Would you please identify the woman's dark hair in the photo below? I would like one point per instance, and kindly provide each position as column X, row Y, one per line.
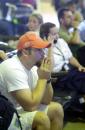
column 45, row 29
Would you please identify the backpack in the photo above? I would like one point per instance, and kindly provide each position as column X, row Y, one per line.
column 73, row 105
column 7, row 111
column 76, row 110
column 69, row 90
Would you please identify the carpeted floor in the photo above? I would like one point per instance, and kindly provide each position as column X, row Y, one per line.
column 75, row 126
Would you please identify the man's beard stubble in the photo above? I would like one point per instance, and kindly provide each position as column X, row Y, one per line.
column 38, row 64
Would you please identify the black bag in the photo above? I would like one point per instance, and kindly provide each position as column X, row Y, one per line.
column 76, row 110
column 68, row 91
column 7, row 111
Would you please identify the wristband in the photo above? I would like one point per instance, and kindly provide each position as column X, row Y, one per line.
column 48, row 81
column 75, row 29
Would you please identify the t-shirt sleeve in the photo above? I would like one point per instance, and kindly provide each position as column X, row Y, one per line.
column 16, row 80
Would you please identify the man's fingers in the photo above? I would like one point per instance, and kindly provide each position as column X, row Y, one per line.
column 46, row 64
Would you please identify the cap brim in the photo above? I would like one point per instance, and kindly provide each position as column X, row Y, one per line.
column 33, row 41
column 41, row 44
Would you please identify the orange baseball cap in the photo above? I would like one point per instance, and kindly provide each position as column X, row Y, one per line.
column 31, row 39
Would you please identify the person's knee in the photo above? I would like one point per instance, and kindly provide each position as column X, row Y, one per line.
column 41, row 119
column 55, row 110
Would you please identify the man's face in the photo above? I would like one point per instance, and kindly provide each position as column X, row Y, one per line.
column 67, row 19
column 37, row 55
column 33, row 57
column 33, row 23
column 54, row 33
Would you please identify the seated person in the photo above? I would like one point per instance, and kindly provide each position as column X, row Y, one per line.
column 32, row 24
column 61, row 52
column 29, row 87
column 62, row 57
column 78, row 17
column 35, row 20
column 11, row 28
column 71, row 37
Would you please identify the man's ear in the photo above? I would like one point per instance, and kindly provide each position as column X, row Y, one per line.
column 25, row 52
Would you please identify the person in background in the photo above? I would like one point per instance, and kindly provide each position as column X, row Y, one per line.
column 63, row 59
column 67, row 22
column 34, row 22
column 62, row 54
column 30, row 86
column 78, row 17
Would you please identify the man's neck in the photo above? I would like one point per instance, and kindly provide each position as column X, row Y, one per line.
column 26, row 65
column 64, row 28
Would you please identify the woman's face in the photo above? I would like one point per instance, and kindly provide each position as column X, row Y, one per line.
column 33, row 24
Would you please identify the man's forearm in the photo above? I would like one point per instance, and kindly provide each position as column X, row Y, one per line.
column 48, row 95
column 74, row 62
column 39, row 91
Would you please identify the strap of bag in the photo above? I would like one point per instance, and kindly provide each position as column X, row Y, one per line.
column 12, row 107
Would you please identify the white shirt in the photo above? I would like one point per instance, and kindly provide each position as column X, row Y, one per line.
column 14, row 76
column 81, row 29
column 81, row 26
column 61, row 55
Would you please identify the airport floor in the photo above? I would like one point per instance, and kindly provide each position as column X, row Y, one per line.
column 47, row 10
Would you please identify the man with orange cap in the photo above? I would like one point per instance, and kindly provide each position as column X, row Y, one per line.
column 30, row 86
